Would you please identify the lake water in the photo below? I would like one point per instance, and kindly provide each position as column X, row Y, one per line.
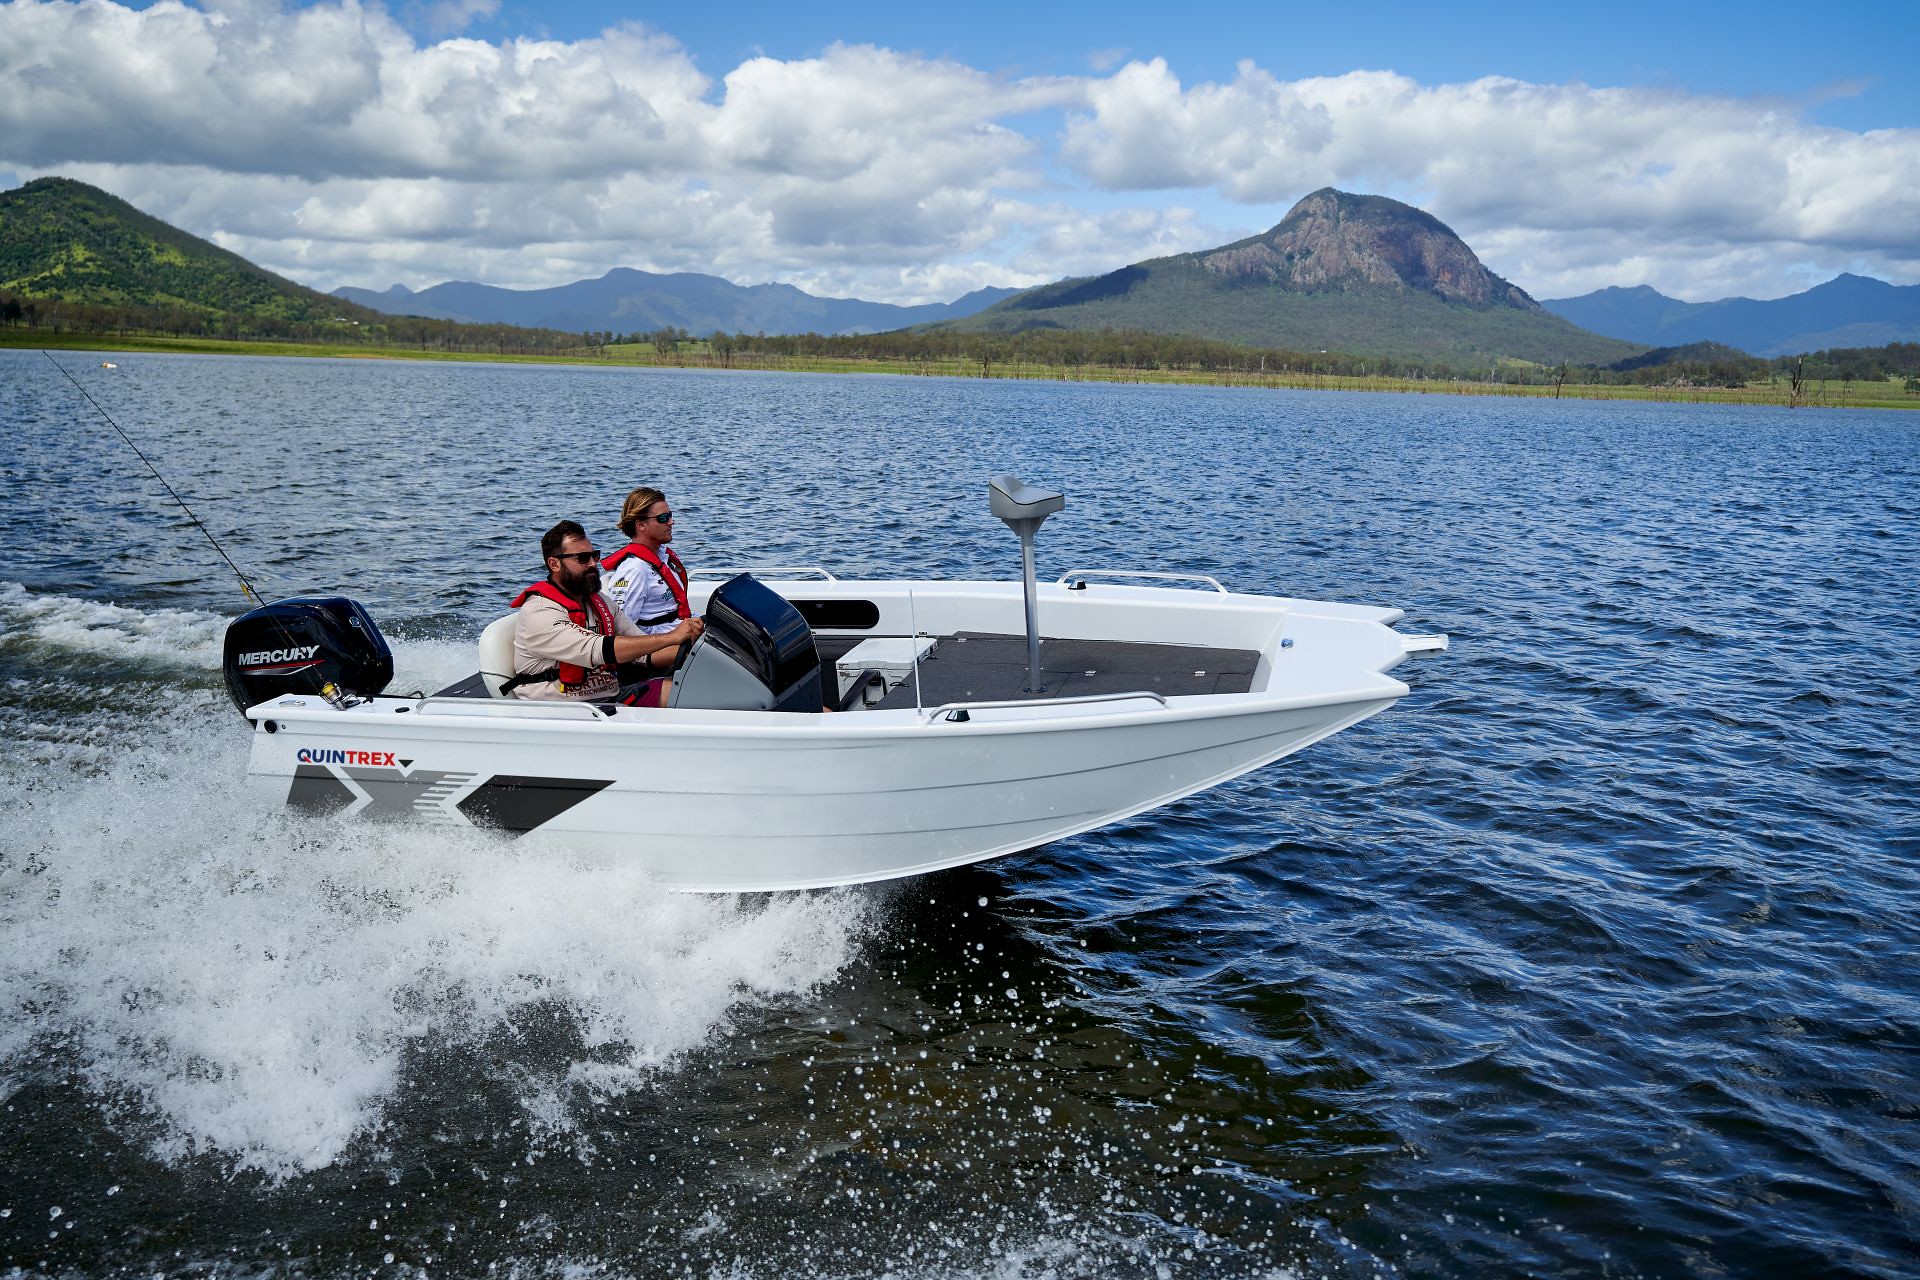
column 1595, row 956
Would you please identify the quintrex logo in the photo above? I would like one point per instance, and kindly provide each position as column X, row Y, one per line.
column 314, row 755
column 375, row 787
column 281, row 659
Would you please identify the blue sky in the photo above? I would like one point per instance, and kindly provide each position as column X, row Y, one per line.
column 1858, row 62
column 911, row 152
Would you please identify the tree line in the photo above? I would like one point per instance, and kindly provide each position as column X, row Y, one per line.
column 350, row 326
column 1137, row 349
column 1065, row 349
column 1897, row 360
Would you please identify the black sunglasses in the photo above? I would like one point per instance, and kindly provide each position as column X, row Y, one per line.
column 578, row 557
column 665, row 517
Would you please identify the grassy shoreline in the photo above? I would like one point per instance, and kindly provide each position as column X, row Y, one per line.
column 1886, row 395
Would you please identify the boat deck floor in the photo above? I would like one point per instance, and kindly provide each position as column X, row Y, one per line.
column 978, row 666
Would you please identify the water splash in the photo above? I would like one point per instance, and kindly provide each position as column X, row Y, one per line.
column 252, row 984
column 149, row 637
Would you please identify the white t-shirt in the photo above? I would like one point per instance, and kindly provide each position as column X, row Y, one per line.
column 643, row 593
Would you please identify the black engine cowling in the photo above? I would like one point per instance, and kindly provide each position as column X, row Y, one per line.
column 302, row 644
column 757, row 655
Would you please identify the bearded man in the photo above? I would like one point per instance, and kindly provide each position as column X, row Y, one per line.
column 569, row 639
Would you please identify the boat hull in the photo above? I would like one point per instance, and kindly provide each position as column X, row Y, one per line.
column 786, row 808
column 731, row 801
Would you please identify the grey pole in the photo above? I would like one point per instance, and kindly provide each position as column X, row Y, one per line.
column 1025, row 507
column 1033, row 607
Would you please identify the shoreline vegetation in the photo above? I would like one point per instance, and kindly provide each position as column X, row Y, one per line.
column 85, row 270
column 743, row 353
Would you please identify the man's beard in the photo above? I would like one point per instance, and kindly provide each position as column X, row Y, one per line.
column 580, row 583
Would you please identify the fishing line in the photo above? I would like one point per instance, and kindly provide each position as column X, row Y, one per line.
column 180, row 502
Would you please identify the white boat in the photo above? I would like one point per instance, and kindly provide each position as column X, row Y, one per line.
column 945, row 755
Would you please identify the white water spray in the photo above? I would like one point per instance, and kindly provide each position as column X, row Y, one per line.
column 251, row 983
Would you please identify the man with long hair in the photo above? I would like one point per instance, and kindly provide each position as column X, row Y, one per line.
column 645, row 577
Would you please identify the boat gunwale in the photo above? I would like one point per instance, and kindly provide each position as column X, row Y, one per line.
column 775, row 725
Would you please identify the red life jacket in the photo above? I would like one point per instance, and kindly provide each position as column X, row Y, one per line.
column 676, row 585
column 571, row 676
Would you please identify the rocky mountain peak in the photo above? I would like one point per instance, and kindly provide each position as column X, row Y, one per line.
column 1335, row 240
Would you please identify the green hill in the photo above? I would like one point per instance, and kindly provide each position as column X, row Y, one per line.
column 66, row 241
column 1353, row 273
column 1690, row 353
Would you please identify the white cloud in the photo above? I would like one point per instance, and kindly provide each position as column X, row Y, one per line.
column 1561, row 264
column 1069, row 241
column 337, row 91
column 328, row 143
column 1661, row 176
column 1255, row 139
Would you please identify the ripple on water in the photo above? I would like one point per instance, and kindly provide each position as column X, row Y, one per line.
column 1595, row 956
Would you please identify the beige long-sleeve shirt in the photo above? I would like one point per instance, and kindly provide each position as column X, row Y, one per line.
column 543, row 637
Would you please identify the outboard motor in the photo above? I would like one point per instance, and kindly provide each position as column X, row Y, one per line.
column 302, row 645
column 757, row 654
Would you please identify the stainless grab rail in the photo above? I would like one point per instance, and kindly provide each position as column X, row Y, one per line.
column 948, row 709
column 763, row 568
column 510, row 708
column 1138, row 573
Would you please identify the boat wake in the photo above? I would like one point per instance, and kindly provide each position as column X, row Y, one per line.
column 227, row 980
column 147, row 637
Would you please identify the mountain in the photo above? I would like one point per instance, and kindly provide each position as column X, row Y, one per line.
column 1616, row 312
column 68, row 241
column 1354, row 273
column 629, row 301
column 1846, row 311
column 65, row 240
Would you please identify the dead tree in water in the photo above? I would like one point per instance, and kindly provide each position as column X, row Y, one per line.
column 1795, row 380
